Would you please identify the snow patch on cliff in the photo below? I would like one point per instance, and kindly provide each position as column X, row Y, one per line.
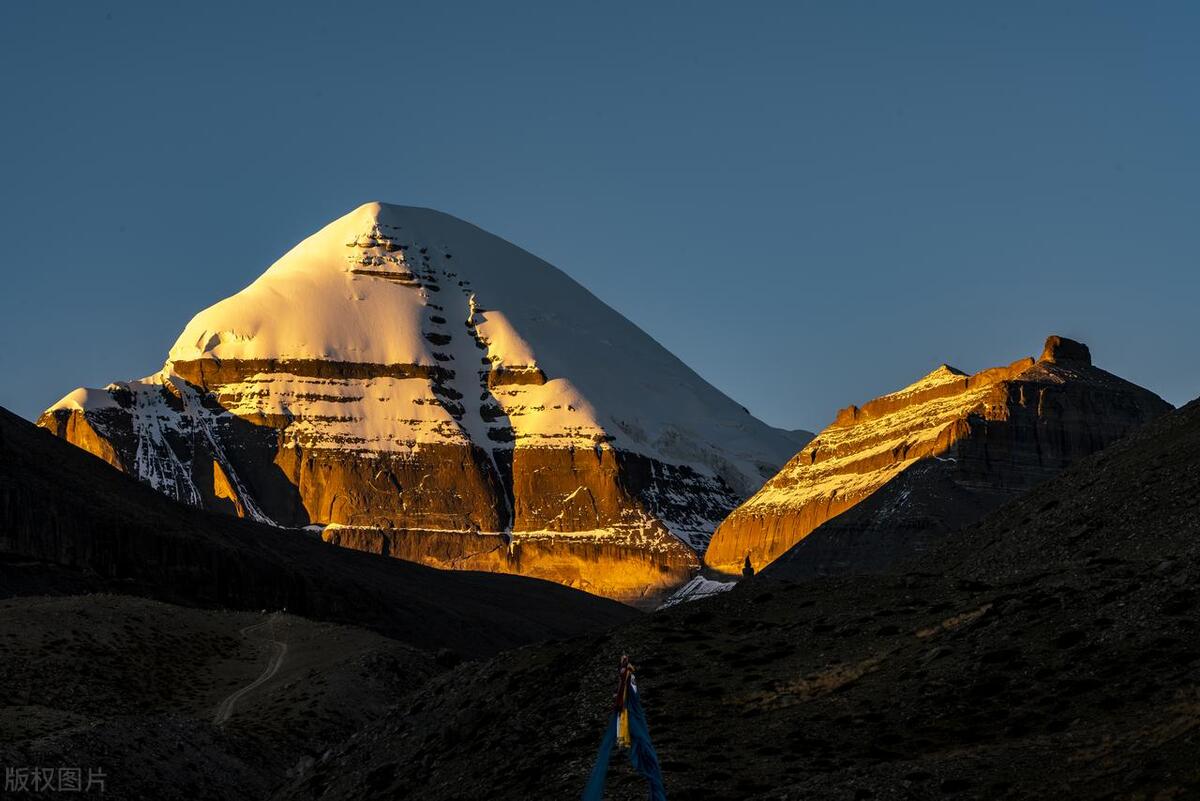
column 696, row 589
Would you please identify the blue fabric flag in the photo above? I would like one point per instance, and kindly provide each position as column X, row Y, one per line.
column 641, row 753
column 595, row 786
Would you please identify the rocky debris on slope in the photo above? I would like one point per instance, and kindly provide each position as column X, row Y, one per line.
column 404, row 371
column 892, row 477
column 70, row 522
column 1049, row 652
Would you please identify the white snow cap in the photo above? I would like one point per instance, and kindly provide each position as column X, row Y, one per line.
column 365, row 288
column 84, row 398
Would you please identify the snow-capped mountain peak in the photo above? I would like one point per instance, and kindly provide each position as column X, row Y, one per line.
column 399, row 345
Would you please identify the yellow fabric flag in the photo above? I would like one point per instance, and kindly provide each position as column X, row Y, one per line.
column 623, row 729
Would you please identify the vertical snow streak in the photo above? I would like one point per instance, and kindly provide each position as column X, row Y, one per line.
column 155, row 461
column 201, row 419
column 475, row 410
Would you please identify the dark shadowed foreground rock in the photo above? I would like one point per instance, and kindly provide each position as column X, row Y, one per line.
column 128, row 688
column 891, row 478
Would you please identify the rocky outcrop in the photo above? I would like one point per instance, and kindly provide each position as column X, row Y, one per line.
column 1059, row 350
column 887, row 479
column 414, row 386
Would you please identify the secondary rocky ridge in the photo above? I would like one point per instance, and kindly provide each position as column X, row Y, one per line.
column 946, row 449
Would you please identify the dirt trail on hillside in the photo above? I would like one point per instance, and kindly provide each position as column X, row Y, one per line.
column 278, row 652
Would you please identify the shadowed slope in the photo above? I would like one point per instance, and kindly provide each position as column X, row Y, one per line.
column 1136, row 501
column 1056, row 657
column 130, row 686
column 63, row 508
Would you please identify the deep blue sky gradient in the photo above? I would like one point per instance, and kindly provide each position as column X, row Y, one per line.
column 811, row 204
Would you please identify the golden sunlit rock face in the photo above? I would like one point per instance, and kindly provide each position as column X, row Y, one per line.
column 588, row 518
column 78, row 430
column 999, row 431
column 637, row 573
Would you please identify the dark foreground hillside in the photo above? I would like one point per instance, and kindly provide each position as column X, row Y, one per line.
column 188, row 699
column 1052, row 651
column 70, row 523
column 152, row 695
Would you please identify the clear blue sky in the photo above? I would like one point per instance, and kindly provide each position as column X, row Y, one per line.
column 810, row 204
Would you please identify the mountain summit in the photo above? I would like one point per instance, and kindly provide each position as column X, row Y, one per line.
column 412, row 385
